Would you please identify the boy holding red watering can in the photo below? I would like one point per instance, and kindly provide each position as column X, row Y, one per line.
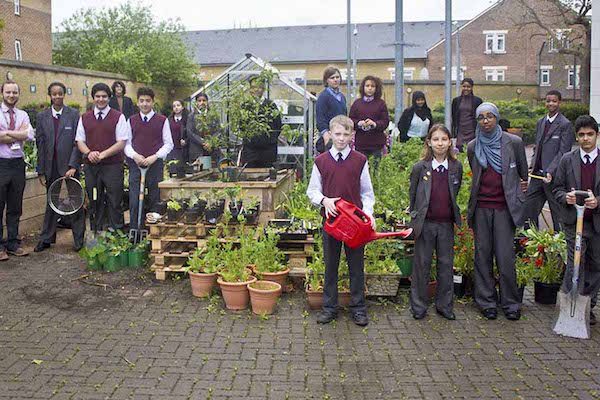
column 342, row 173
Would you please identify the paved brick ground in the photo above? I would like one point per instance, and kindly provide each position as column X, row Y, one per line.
column 141, row 339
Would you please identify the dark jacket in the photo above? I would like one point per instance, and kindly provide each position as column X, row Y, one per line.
column 327, row 107
column 195, row 139
column 406, row 119
column 67, row 153
column 514, row 170
column 455, row 107
column 420, row 191
column 558, row 142
column 262, row 149
column 128, row 107
column 568, row 175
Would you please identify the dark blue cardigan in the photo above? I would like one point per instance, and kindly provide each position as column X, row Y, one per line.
column 327, row 108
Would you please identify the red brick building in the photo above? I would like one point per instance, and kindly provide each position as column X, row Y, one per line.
column 27, row 33
column 503, row 44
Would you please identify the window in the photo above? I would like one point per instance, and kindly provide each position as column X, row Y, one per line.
column 572, row 77
column 32, row 88
column 17, row 7
column 18, row 50
column 69, row 90
column 295, row 75
column 495, row 74
column 84, row 92
column 560, row 40
column 545, row 77
column 495, row 42
column 409, row 73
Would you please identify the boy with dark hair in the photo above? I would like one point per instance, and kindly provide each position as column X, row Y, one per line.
column 101, row 136
column 580, row 170
column 342, row 173
column 58, row 156
column 15, row 128
column 554, row 137
column 147, row 147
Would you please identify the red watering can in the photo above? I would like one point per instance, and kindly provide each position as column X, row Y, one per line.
column 353, row 227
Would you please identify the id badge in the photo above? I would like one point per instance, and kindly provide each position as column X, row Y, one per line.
column 15, row 146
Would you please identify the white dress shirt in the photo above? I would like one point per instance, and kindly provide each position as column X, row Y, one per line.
column 593, row 154
column 435, row 164
column 56, row 114
column 122, row 131
column 551, row 118
column 315, row 186
column 165, row 149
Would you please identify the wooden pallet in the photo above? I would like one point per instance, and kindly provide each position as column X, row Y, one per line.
column 161, row 271
column 161, row 245
column 178, row 229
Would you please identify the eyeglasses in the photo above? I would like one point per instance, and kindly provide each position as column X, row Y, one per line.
column 486, row 117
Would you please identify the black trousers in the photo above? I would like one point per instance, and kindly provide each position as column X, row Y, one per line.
column 589, row 265
column 108, row 181
column 538, row 193
column 12, row 185
column 154, row 175
column 356, row 265
column 494, row 239
column 438, row 236
column 51, row 218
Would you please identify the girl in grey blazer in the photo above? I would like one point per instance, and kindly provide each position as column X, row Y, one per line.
column 434, row 185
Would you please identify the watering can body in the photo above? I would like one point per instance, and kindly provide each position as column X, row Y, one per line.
column 353, row 226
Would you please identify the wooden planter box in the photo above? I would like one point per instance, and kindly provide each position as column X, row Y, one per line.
column 269, row 193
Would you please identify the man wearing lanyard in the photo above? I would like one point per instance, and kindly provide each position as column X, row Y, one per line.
column 101, row 136
column 15, row 128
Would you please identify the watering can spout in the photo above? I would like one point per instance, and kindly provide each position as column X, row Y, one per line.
column 353, row 227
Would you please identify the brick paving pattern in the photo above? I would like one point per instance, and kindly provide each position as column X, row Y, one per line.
column 64, row 336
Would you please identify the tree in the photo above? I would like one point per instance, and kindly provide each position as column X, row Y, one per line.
column 572, row 14
column 126, row 39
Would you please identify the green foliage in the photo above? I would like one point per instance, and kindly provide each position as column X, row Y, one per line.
column 30, row 151
column 207, row 260
column 95, row 254
column 173, row 205
column 292, row 136
column 208, row 125
column 265, row 254
column 234, row 265
column 32, row 110
column 380, row 257
column 298, row 206
column 546, row 253
column 126, row 39
column 573, row 110
column 117, row 242
column 464, row 250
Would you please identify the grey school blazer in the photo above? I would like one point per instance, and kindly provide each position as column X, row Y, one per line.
column 514, row 169
column 558, row 142
column 568, row 175
column 67, row 154
column 420, row 192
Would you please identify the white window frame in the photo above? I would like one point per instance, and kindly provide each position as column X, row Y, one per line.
column 294, row 74
column 570, row 72
column 545, row 74
column 562, row 37
column 409, row 73
column 495, row 42
column 495, row 73
column 18, row 50
column 17, row 7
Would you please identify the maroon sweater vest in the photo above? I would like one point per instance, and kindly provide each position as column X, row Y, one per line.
column 440, row 206
column 100, row 135
column 176, row 132
column 146, row 137
column 375, row 138
column 491, row 192
column 342, row 179
column 588, row 177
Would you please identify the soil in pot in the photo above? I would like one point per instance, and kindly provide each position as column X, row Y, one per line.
column 314, row 299
column 235, row 294
column 202, row 284
column 263, row 296
column 279, row 277
column 545, row 293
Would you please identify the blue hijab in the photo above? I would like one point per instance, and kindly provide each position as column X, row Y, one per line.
column 487, row 144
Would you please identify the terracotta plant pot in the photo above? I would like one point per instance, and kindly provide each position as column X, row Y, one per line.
column 279, row 277
column 263, row 296
column 343, row 298
column 314, row 299
column 235, row 294
column 202, row 284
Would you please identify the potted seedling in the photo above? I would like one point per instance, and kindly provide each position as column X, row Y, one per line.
column 95, row 256
column 315, row 273
column 251, row 210
column 174, row 210
column 234, row 194
column 382, row 273
column 138, row 254
column 215, row 206
column 203, row 266
column 234, row 278
column 268, row 258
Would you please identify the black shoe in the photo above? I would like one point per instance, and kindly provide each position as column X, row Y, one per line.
column 447, row 314
column 490, row 313
column 41, row 246
column 513, row 315
column 360, row 319
column 418, row 316
column 325, row 317
column 592, row 318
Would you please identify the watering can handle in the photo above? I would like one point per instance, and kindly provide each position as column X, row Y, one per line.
column 364, row 216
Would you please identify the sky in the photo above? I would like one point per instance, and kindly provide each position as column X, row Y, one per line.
column 227, row 14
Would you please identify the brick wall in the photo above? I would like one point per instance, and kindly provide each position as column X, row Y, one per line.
column 33, row 27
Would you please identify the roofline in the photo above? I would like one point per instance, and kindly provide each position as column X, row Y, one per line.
column 222, row 64
column 311, row 26
column 460, row 28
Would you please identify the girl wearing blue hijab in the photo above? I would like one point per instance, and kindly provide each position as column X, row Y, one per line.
column 498, row 163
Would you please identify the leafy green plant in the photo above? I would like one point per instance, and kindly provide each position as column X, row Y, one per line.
column 207, row 260
column 173, row 205
column 464, row 250
column 315, row 273
column 97, row 253
column 291, row 135
column 380, row 257
column 117, row 242
column 266, row 255
column 234, row 267
column 547, row 253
